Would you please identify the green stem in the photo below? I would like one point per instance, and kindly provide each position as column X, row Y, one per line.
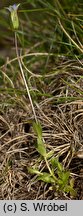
column 21, row 69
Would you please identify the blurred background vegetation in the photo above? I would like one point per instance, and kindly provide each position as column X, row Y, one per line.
column 39, row 23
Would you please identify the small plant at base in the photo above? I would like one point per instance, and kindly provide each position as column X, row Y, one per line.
column 58, row 177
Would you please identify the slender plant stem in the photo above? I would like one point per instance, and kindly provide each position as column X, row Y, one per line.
column 21, row 69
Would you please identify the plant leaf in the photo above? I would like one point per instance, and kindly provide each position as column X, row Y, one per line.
column 64, row 177
column 37, row 129
column 49, row 154
column 69, row 189
column 33, row 171
column 46, row 177
column 40, row 147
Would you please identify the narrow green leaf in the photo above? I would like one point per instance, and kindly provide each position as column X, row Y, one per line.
column 40, row 147
column 60, row 167
column 72, row 182
column 56, row 164
column 65, row 177
column 69, row 189
column 49, row 154
column 33, row 171
column 46, row 177
column 37, row 129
